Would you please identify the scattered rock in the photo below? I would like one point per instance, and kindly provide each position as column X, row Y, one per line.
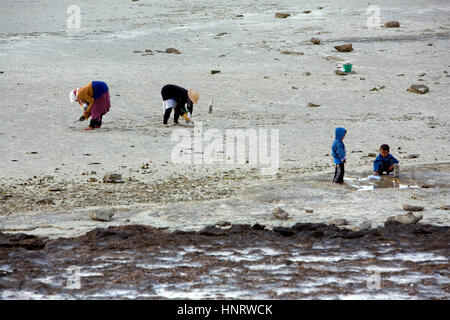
column 412, row 156
column 148, row 50
column 446, row 207
column 340, row 73
column 287, row 232
column 45, row 201
column 223, row 223
column 312, row 105
column 338, row 222
column 215, row 71
column 240, row 16
column 408, row 207
column 92, row 179
column 309, row 210
column 280, row 213
column 408, row 218
column 365, row 226
column 315, row 40
column 102, row 214
column 55, row 189
column 374, row 89
column 344, row 48
column 418, row 88
column 306, row 74
column 371, row 154
column 113, row 178
column 282, row 15
column 294, row 88
column 137, row 51
column 172, row 50
column 297, row 53
column 307, row 11
column 392, row 24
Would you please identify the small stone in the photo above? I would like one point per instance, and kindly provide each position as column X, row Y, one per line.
column 315, row 40
column 223, row 223
column 362, row 78
column 344, row 48
column 340, row 72
column 296, row 53
column 240, row 16
column 371, row 154
column 412, row 156
column 113, row 178
column 408, row 218
column 306, row 74
column 148, row 50
column 102, row 214
column 338, row 222
column 55, row 189
column 280, row 213
column 312, row 105
column 392, row 24
column 408, row 207
column 92, row 179
column 418, row 88
column 45, row 201
column 446, row 207
column 172, row 50
column 309, row 210
column 307, row 11
column 294, row 88
column 215, row 71
column 365, row 226
column 281, row 15
column 374, row 89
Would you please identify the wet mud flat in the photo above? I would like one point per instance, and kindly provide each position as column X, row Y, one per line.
column 304, row 261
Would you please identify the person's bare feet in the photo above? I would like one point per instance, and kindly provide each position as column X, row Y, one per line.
column 89, row 128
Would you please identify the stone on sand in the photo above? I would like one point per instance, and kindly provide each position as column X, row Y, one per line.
column 280, row 213
column 408, row 207
column 365, row 226
column 45, row 201
column 392, row 24
column 340, row 72
column 315, row 40
column 281, row 15
column 418, row 88
column 113, row 178
column 101, row 214
column 344, row 48
column 338, row 222
column 172, row 50
column 408, row 218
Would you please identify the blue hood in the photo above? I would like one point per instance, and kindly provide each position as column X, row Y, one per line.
column 339, row 133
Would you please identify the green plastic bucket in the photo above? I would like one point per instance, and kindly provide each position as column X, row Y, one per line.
column 347, row 67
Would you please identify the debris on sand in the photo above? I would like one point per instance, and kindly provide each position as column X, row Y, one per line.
column 172, row 50
column 340, row 72
column 312, row 105
column 309, row 210
column 112, row 178
column 418, row 88
column 281, row 15
column 222, row 223
column 366, row 225
column 344, row 48
column 104, row 215
column 45, row 201
column 307, row 74
column 296, row 53
column 408, row 207
column 137, row 51
column 445, row 207
column 408, row 218
column 315, row 40
column 307, row 11
column 392, row 24
column 215, row 71
column 338, row 222
column 280, row 213
column 412, row 156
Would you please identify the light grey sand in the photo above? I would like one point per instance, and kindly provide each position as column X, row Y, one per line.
column 258, row 87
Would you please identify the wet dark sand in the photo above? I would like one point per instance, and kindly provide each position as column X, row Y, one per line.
column 306, row 261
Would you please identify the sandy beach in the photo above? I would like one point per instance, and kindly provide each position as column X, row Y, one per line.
column 52, row 170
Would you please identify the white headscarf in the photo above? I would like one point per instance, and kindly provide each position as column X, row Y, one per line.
column 73, row 95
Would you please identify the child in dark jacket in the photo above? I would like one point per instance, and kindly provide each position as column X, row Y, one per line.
column 339, row 154
column 385, row 162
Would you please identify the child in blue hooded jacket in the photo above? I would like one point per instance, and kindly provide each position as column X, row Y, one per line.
column 339, row 154
column 385, row 162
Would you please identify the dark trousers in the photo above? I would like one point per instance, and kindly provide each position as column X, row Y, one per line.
column 384, row 168
column 175, row 116
column 339, row 173
column 95, row 123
